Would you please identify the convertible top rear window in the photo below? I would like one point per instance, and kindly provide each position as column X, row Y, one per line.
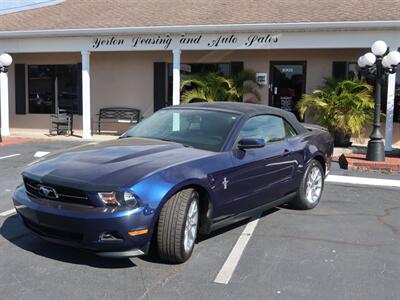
column 197, row 128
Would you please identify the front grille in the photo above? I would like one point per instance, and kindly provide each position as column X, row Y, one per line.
column 63, row 194
column 53, row 233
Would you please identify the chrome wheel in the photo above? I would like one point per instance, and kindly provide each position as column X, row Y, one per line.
column 314, row 185
column 192, row 220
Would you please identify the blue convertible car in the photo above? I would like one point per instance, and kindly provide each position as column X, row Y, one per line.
column 185, row 170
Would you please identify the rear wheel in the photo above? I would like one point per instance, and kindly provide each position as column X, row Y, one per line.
column 177, row 226
column 311, row 187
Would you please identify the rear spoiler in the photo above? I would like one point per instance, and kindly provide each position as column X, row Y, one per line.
column 311, row 127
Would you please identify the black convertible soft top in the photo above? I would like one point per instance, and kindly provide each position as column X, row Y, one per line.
column 249, row 110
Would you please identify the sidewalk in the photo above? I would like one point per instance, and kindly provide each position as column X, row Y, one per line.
column 27, row 135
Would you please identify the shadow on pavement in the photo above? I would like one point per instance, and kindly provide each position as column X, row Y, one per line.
column 233, row 226
column 15, row 232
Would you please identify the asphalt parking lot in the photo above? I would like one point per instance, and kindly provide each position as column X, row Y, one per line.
column 346, row 248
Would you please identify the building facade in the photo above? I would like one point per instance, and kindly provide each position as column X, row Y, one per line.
column 83, row 56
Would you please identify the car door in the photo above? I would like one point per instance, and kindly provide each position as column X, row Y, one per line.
column 261, row 175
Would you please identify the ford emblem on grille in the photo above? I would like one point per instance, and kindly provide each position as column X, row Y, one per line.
column 48, row 192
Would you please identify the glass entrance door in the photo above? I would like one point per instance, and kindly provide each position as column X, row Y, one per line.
column 287, row 84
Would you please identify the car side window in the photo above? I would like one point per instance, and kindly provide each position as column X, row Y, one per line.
column 290, row 132
column 268, row 127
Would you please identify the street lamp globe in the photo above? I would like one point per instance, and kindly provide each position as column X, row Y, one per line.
column 385, row 62
column 393, row 58
column 369, row 59
column 379, row 48
column 5, row 60
column 360, row 62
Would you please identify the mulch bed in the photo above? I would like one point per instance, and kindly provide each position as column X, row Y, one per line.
column 358, row 162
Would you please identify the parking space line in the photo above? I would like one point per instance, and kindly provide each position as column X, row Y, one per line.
column 226, row 272
column 363, row 180
column 8, row 213
column 40, row 153
column 8, row 156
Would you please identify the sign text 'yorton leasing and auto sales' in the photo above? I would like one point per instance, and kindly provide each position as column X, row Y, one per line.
column 186, row 41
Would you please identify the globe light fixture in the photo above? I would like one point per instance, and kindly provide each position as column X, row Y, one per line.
column 378, row 65
column 385, row 62
column 5, row 60
column 369, row 59
column 360, row 62
column 379, row 48
column 393, row 58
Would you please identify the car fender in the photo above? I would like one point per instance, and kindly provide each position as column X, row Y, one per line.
column 155, row 191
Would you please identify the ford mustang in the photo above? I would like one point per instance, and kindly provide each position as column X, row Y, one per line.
column 184, row 171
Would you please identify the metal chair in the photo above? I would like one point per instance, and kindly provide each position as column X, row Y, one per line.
column 61, row 122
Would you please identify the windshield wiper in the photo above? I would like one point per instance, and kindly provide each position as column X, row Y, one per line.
column 174, row 141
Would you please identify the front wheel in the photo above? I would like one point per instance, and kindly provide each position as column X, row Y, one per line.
column 310, row 190
column 177, row 226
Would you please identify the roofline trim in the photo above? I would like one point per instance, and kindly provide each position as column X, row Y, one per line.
column 311, row 26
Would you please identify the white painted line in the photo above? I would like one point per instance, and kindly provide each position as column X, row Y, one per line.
column 8, row 156
column 232, row 261
column 363, row 180
column 40, row 153
column 8, row 213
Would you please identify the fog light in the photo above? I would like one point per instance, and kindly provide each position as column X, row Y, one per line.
column 110, row 236
column 109, row 198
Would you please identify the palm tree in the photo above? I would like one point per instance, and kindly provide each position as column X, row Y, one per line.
column 343, row 107
column 211, row 86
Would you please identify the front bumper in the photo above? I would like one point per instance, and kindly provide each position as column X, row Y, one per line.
column 85, row 227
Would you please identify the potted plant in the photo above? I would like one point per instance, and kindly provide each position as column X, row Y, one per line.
column 211, row 86
column 343, row 107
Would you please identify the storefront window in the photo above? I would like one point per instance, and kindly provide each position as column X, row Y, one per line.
column 41, row 86
column 345, row 70
column 54, row 86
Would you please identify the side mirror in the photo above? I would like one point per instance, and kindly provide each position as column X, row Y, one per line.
column 251, row 143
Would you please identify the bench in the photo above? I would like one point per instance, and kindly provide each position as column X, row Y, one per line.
column 118, row 115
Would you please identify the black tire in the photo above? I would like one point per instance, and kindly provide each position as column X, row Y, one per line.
column 301, row 201
column 171, row 227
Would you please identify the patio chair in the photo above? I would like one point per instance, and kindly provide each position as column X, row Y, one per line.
column 61, row 122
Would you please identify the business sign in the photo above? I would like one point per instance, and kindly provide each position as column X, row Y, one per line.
column 186, row 41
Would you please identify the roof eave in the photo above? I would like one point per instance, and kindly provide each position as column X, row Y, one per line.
column 305, row 26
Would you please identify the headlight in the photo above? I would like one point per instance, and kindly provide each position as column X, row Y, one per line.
column 109, row 198
column 130, row 199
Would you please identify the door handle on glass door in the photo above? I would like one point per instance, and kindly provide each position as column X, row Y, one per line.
column 275, row 90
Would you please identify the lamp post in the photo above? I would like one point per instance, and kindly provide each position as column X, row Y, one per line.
column 378, row 65
column 5, row 62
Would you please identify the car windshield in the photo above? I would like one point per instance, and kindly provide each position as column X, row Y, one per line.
column 197, row 128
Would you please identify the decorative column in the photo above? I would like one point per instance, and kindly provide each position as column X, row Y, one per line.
column 5, row 124
column 86, row 114
column 176, row 75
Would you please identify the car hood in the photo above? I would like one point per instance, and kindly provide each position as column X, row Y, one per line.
column 111, row 164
